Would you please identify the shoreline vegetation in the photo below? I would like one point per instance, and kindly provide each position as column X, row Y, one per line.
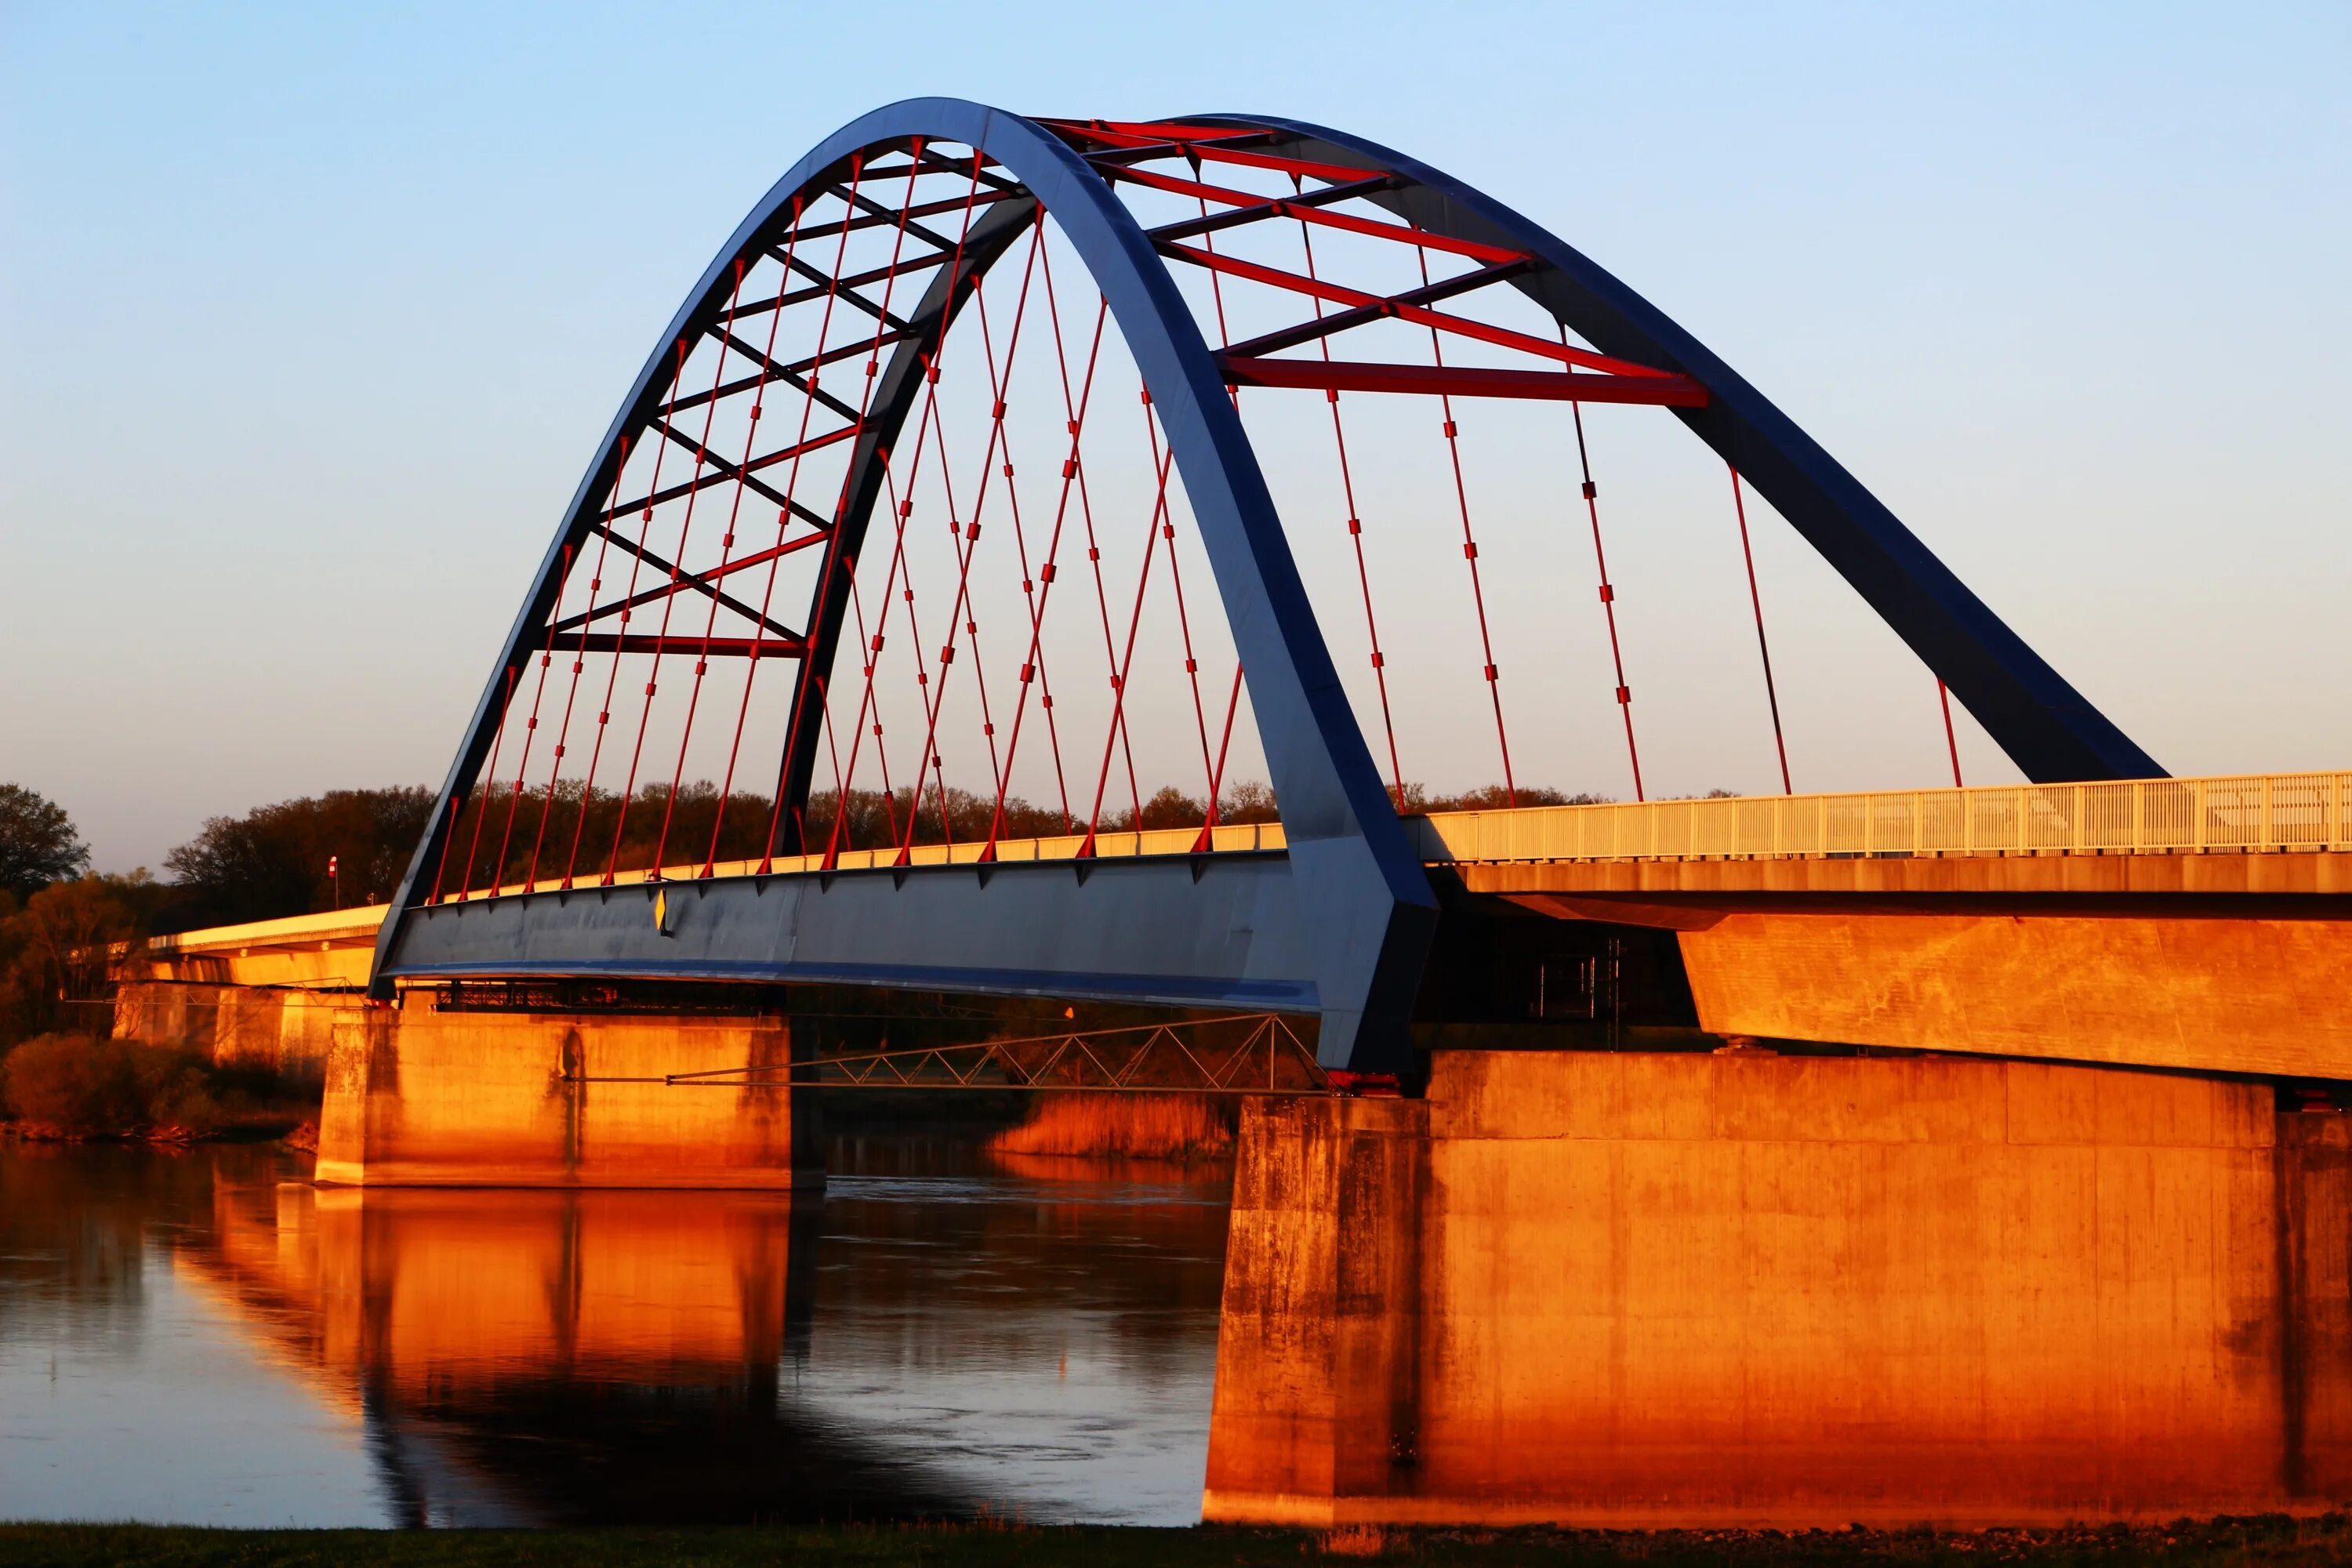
column 2264, row 1538
column 1188, row 1128
column 74, row 1088
column 88, row 1089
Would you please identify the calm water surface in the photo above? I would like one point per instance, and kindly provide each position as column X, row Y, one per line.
column 200, row 1337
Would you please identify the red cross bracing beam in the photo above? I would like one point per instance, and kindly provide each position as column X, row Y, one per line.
column 1119, row 149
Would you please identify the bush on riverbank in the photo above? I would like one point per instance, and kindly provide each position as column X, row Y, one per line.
column 1140, row 1126
column 86, row 1086
column 82, row 1086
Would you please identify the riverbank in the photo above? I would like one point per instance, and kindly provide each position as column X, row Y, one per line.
column 2268, row 1539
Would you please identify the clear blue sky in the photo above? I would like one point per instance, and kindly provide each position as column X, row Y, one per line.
column 313, row 313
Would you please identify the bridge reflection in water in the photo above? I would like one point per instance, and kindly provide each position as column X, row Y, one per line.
column 535, row 1357
column 1772, row 1290
column 1743, row 1288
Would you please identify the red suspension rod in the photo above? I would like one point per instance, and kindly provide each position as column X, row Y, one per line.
column 1356, row 539
column 1951, row 740
column 1763, row 649
column 1470, row 555
column 1607, row 596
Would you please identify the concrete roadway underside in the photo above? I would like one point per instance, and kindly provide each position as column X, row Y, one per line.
column 2229, row 962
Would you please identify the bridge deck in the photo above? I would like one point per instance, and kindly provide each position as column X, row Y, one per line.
column 2252, row 834
column 2236, row 813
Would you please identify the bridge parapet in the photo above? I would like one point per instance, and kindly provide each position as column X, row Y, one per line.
column 2233, row 813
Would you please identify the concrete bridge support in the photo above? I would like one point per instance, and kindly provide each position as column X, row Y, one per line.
column 420, row 1098
column 277, row 1028
column 1625, row 1289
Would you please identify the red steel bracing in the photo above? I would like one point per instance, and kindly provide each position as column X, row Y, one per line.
column 965, row 542
column 1184, row 624
column 1260, row 206
column 497, row 740
column 873, row 368
column 1207, row 840
column 967, row 548
column 1213, row 144
column 1763, row 649
column 669, row 601
column 833, row 285
column 884, row 220
column 899, row 580
column 927, row 763
column 1000, row 449
column 1127, row 660
column 1405, row 307
column 1356, row 538
column 1608, row 594
column 1075, row 411
column 870, row 644
column 1951, row 738
column 1034, row 665
column 901, row 508
column 613, row 670
column 530, row 734
column 579, row 664
column 1192, row 666
column 835, row 841
column 1102, row 604
column 1470, row 555
column 870, row 653
column 441, row 866
column 1460, row 380
column 710, row 616
column 1217, row 296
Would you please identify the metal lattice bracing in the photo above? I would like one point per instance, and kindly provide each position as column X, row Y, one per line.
column 930, row 575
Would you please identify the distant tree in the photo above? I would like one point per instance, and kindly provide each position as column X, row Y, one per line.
column 56, row 950
column 272, row 861
column 37, row 842
column 69, row 928
column 1249, row 801
column 1493, row 797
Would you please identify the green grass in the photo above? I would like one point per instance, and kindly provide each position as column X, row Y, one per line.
column 2270, row 1539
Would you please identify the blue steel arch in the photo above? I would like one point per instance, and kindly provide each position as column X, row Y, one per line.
column 2047, row 728
column 1339, row 924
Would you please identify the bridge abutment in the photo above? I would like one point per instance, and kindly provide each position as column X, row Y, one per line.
column 278, row 1029
column 1641, row 1289
column 2247, row 994
column 422, row 1098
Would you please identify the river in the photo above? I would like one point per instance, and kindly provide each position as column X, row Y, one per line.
column 199, row 1336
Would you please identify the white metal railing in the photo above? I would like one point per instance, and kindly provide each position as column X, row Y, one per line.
column 2252, row 812
column 2244, row 813
column 2257, row 812
column 1224, row 839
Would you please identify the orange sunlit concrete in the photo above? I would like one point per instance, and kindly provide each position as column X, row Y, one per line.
column 2216, row 994
column 441, row 1292
column 419, row 1098
column 1629, row 1289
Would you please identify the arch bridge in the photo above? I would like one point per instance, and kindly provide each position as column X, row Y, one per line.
column 1039, row 557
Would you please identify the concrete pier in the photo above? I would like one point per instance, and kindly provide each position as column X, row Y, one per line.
column 1622, row 1289
column 419, row 1098
column 278, row 1029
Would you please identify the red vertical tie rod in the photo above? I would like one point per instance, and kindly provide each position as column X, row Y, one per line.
column 1772, row 696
